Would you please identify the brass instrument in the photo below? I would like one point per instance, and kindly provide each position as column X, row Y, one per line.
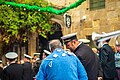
column 102, row 37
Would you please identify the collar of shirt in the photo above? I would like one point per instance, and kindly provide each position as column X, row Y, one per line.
column 79, row 44
column 105, row 43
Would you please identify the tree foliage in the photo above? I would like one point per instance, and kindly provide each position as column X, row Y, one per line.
column 18, row 24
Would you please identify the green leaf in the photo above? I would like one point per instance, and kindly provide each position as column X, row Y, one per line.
column 19, row 24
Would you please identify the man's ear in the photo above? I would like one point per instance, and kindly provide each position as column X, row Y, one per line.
column 73, row 42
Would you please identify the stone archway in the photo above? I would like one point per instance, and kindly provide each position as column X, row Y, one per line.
column 59, row 21
column 43, row 42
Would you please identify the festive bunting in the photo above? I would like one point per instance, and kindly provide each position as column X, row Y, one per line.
column 47, row 9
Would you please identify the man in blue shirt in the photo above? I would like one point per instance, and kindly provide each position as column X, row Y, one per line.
column 61, row 65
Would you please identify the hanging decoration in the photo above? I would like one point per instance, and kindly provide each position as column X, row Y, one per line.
column 47, row 9
column 67, row 20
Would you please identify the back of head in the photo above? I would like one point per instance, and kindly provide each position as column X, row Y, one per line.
column 53, row 44
column 107, row 40
column 11, row 55
column 27, row 58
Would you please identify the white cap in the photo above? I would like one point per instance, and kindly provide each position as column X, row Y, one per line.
column 36, row 53
column 37, row 59
column 27, row 56
column 84, row 40
column 0, row 61
column 11, row 55
column 47, row 52
column 68, row 36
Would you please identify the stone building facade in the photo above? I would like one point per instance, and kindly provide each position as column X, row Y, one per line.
column 106, row 19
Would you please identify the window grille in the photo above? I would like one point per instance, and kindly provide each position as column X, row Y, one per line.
column 97, row 4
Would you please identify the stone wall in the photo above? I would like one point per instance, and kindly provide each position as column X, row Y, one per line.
column 101, row 20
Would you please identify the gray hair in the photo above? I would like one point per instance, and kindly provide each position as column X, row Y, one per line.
column 53, row 44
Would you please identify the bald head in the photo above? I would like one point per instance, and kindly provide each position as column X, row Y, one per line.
column 53, row 44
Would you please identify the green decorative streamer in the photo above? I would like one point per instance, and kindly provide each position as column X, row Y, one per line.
column 47, row 9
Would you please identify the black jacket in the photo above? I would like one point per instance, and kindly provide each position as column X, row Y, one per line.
column 107, row 60
column 13, row 72
column 28, row 72
column 1, row 72
column 89, row 60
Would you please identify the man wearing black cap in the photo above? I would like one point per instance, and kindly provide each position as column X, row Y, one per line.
column 27, row 67
column 13, row 71
column 85, row 54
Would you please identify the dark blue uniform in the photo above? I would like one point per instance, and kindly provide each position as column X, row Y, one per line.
column 89, row 60
column 13, row 72
column 28, row 72
column 107, row 60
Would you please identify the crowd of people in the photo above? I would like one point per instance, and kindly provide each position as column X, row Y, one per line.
column 77, row 61
column 25, row 69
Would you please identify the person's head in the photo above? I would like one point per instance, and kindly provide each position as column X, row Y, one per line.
column 27, row 58
column 53, row 44
column 107, row 40
column 35, row 57
column 100, row 40
column 70, row 41
column 72, row 45
column 45, row 53
column 11, row 56
column 101, row 43
column 117, row 44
